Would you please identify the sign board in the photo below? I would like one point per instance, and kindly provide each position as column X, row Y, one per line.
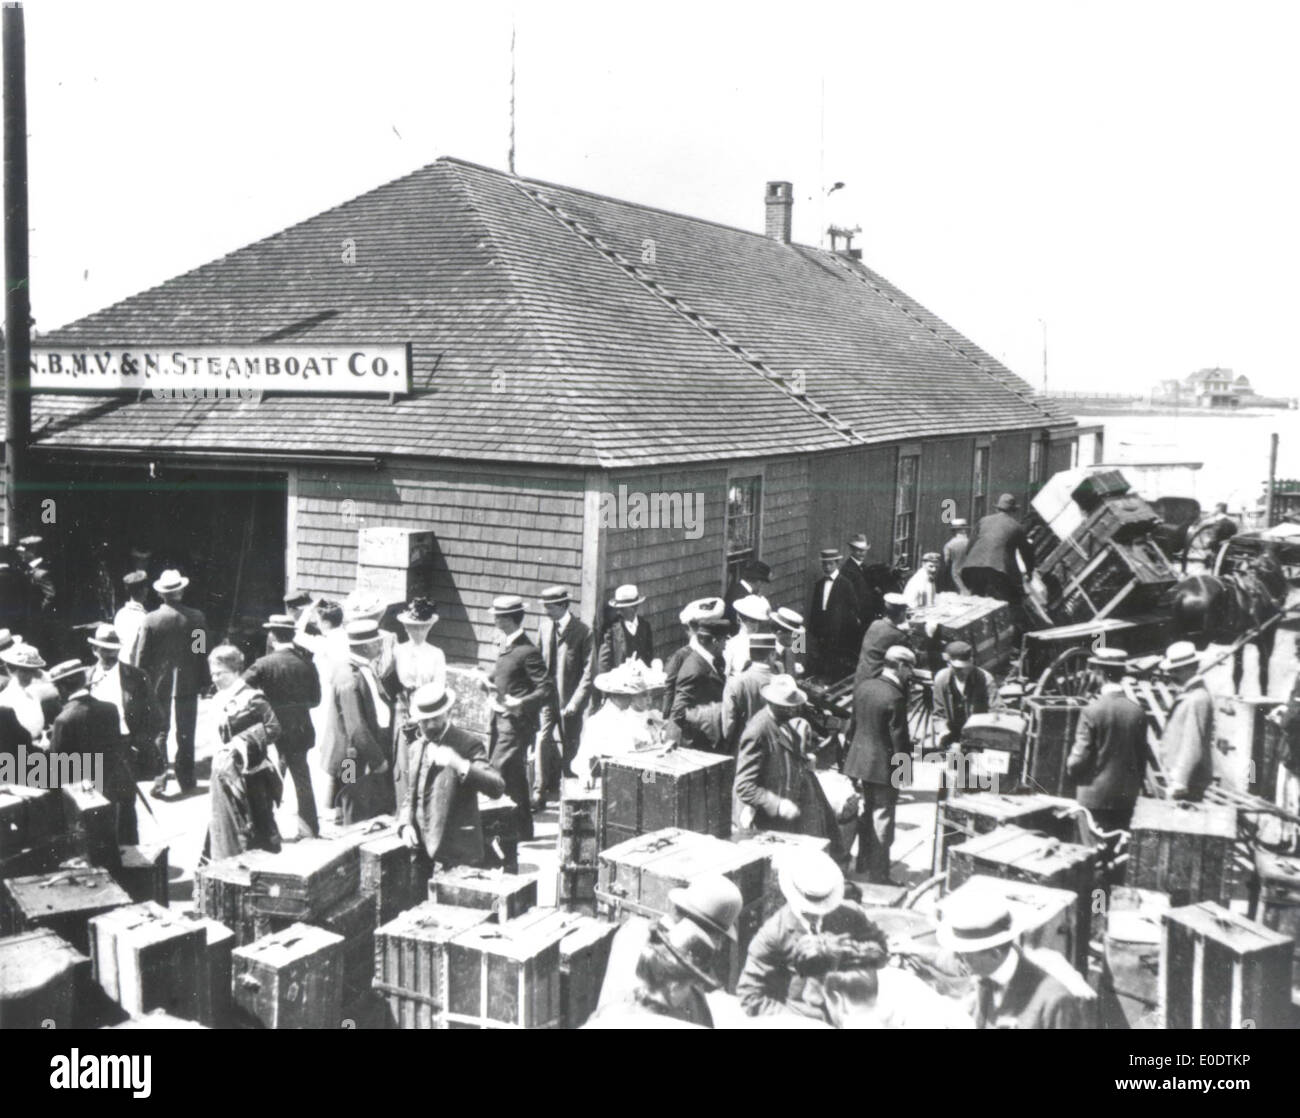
column 205, row 372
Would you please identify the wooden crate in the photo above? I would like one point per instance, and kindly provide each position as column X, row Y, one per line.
column 221, row 892
column 984, row 623
column 772, row 846
column 63, row 901
column 1053, row 722
column 1182, row 849
column 354, row 918
column 1219, row 970
column 214, row 990
column 1277, row 904
column 387, row 876
column 1048, row 918
column 578, row 844
column 410, row 964
column 13, row 821
column 147, row 957
column 291, row 980
column 584, row 958
column 91, row 820
column 506, row 976
column 305, row 880
column 1020, row 855
column 40, row 976
column 143, row 873
column 978, row 813
column 683, row 788
column 502, row 895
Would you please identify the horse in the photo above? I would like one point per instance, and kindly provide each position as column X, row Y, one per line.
column 1220, row 609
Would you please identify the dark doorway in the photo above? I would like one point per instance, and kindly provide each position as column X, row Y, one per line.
column 223, row 529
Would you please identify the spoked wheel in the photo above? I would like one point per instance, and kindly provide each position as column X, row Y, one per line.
column 1069, row 674
column 921, row 727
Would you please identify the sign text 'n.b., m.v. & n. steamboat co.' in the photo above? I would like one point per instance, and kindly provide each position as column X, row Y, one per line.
column 352, row 368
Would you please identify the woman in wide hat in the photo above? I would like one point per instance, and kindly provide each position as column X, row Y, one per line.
column 416, row 662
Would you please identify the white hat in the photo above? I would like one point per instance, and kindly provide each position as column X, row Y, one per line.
column 974, row 923
column 1180, row 654
column 362, row 603
column 627, row 595
column 431, row 700
column 169, row 581
column 892, row 599
column 752, row 607
column 899, row 654
column 702, row 609
column 811, row 882
column 783, row 691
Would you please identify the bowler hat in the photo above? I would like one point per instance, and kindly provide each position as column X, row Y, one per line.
column 69, row 669
column 811, row 882
column 627, row 595
column 21, row 655
column 105, row 637
column 711, row 901
column 752, row 607
column 1007, row 503
column 431, row 700
column 974, row 923
column 755, row 570
column 507, row 605
column 783, row 691
column 169, row 581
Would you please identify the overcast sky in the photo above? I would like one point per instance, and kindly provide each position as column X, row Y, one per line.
column 1126, row 173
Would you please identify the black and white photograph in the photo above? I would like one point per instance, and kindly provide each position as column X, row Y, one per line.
column 700, row 516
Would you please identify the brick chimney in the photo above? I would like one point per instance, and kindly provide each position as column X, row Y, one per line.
column 780, row 210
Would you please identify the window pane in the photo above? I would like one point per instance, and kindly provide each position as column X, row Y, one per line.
column 742, row 516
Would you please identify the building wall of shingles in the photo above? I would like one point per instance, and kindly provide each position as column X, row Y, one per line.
column 498, row 531
column 947, row 472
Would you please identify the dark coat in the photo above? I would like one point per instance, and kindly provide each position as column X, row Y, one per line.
column 742, row 699
column 139, row 704
column 169, row 637
column 998, row 538
column 671, row 668
column 1034, row 999
column 521, row 672
column 1109, row 757
column 955, row 707
column 291, row 685
column 12, row 732
column 699, row 684
column 87, row 725
column 616, row 645
column 356, row 722
column 879, row 730
column 879, row 639
column 572, row 670
column 443, row 808
column 867, row 603
column 770, row 767
column 834, row 630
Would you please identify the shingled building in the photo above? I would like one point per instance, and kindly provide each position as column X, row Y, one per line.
column 574, row 359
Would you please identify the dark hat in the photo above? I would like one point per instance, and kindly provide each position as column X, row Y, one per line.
column 959, row 651
column 419, row 611
column 69, row 669
column 711, row 901
column 718, row 626
column 134, row 578
column 831, row 555
column 1007, row 503
column 554, row 596
column 755, row 570
column 297, row 598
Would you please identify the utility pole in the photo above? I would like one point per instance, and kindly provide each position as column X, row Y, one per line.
column 511, row 159
column 1272, row 481
column 18, row 306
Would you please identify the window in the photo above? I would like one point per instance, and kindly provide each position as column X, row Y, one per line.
column 979, row 490
column 1037, row 464
column 744, row 498
column 909, row 471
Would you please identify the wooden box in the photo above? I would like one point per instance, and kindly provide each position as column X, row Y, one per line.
column 388, row 876
column 92, row 822
column 1019, row 855
column 1219, row 970
column 1278, row 902
column 147, row 957
column 142, row 872
column 978, row 813
column 1183, row 849
column 291, row 980
column 584, row 958
column 1048, row 918
column 578, row 846
column 44, row 856
column 506, row 976
column 683, row 788
column 63, row 901
column 984, row 623
column 1130, row 978
column 503, row 895
column 1053, row 722
column 771, row 846
column 354, row 918
column 221, row 892
column 499, row 819
column 305, row 879
column 43, row 818
column 214, row 989
column 410, row 962
column 13, row 821
column 40, row 975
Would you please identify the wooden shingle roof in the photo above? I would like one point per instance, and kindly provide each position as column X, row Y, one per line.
column 538, row 335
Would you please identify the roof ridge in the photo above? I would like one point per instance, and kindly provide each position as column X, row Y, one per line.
column 692, row 316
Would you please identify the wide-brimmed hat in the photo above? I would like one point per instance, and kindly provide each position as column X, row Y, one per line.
column 627, row 595
column 21, row 655
column 787, row 619
column 860, row 541
column 1007, row 503
column 363, row 604
column 134, row 578
column 895, row 601
column 752, row 607
column 626, row 679
column 431, row 700
column 711, row 901
column 899, row 654
column 1180, row 654
column 831, row 555
column 783, row 691
column 755, row 570
column 363, row 630
column 105, row 636
column 169, row 581
column 958, row 652
column 67, row 670
column 974, row 923
column 702, row 609
column 419, row 611
column 811, row 882
column 554, row 596
column 279, row 622
column 297, row 597
column 506, row 605
column 931, row 557
column 1108, row 658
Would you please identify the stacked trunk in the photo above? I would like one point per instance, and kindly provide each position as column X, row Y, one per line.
column 410, row 962
column 1182, row 849
column 147, row 957
column 41, row 977
column 683, row 788
column 291, row 979
column 579, row 846
column 502, row 895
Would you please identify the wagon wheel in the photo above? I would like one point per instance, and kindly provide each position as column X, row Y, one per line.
column 920, row 714
column 1068, row 674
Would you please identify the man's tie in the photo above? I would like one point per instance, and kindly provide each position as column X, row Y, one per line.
column 985, row 993
column 555, row 640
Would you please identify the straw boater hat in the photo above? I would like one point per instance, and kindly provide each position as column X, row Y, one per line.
column 811, row 882
column 710, row 901
column 752, row 607
column 279, row 623
column 363, row 630
column 68, row 670
column 783, row 691
column 969, row 924
column 105, row 636
column 1108, row 658
column 959, row 522
column 362, row 604
column 555, row 596
column 626, row 596
column 1180, row 654
column 169, row 581
column 431, row 700
column 419, row 611
column 831, row 555
column 134, row 578
column 787, row 619
column 507, row 605
column 702, row 609
column 20, row 655
column 762, row 642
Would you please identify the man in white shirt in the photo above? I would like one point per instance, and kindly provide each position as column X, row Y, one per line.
column 127, row 620
column 752, row 612
column 127, row 688
column 923, row 586
column 34, row 701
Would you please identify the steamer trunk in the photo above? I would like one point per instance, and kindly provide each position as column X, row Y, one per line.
column 683, row 788
column 579, row 846
column 305, row 880
column 584, row 958
column 502, row 895
column 222, row 889
column 214, row 991
column 40, row 975
column 63, row 901
column 506, row 976
column 292, row 979
column 410, row 962
column 92, row 822
column 388, row 876
column 1182, row 849
column 147, row 957
column 1053, row 721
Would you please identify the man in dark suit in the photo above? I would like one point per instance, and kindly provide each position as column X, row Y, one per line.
column 960, row 690
column 520, row 687
column 87, row 726
column 439, row 817
column 1011, row 991
column 702, row 609
column 291, row 684
column 1109, row 757
column 363, row 720
column 697, row 696
column 832, row 621
column 566, row 646
column 866, row 594
column 628, row 634
column 990, row 569
column 138, row 715
column 880, row 738
column 752, row 577
column 881, row 636
column 171, row 650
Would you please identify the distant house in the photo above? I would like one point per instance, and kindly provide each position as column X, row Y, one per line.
column 1215, row 388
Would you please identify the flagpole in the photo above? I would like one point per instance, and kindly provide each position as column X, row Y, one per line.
column 18, row 401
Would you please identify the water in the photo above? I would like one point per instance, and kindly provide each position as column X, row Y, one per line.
column 1233, row 448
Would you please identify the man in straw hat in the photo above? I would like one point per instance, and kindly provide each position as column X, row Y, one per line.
column 628, row 635
column 832, row 620
column 990, row 568
column 790, row 639
column 567, row 650
column 29, row 692
column 172, row 650
column 785, row 962
column 363, row 723
column 880, row 743
column 1011, row 991
column 520, row 686
column 883, row 634
column 1109, row 757
column 128, row 620
column 1187, row 744
column 702, row 609
column 753, row 616
column 127, row 688
column 776, row 786
column 742, row 695
column 439, row 817
column 697, row 695
column 292, row 686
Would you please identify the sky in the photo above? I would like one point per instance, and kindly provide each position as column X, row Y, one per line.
column 1121, row 178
